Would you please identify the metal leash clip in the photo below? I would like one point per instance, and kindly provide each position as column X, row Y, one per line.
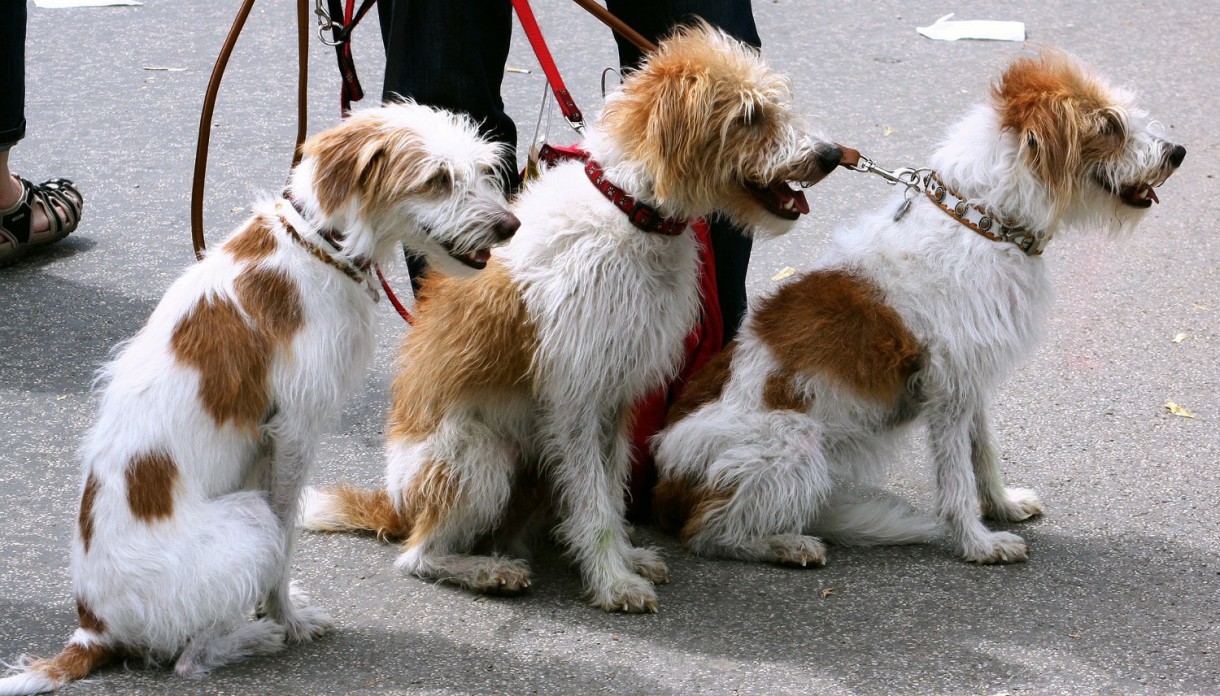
column 325, row 24
column 907, row 176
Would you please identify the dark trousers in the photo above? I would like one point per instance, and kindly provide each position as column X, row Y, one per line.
column 451, row 54
column 12, row 72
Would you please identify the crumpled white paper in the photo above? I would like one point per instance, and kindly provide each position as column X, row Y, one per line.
column 59, row 4
column 944, row 30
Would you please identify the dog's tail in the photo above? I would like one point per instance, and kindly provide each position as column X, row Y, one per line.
column 85, row 652
column 882, row 521
column 347, row 509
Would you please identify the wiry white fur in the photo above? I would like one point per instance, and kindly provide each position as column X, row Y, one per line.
column 186, row 586
column 611, row 306
column 976, row 306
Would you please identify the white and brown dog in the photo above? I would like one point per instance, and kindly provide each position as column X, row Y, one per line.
column 210, row 414
column 914, row 315
column 518, row 385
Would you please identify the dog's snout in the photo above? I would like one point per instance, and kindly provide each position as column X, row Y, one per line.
column 829, row 157
column 507, row 226
column 1176, row 155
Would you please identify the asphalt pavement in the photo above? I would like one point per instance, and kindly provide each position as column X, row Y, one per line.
column 1121, row 593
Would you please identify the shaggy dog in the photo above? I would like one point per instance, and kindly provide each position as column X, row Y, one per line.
column 210, row 414
column 915, row 314
column 517, row 386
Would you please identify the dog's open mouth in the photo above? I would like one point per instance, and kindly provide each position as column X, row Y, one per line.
column 476, row 259
column 1139, row 196
column 780, row 199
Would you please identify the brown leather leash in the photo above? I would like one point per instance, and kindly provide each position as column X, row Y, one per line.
column 209, row 108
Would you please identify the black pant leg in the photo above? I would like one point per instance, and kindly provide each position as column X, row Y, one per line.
column 12, row 72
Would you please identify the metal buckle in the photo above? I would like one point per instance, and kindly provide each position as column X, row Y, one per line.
column 325, row 24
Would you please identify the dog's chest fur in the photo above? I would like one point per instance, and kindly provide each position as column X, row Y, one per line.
column 612, row 304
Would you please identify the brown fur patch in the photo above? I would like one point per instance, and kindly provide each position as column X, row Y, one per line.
column 673, row 498
column 231, row 356
column 472, row 339
column 427, row 502
column 74, row 662
column 272, row 301
column 368, row 510
column 252, row 244
column 88, row 620
column 1065, row 119
column 150, row 486
column 835, row 324
column 367, row 157
column 85, row 519
column 706, row 501
column 705, row 387
column 681, row 504
column 780, row 394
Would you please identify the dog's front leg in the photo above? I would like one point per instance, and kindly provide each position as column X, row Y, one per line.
column 285, row 604
column 950, row 426
column 998, row 502
column 588, row 461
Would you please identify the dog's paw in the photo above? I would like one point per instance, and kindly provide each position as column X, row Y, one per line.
column 306, row 623
column 796, row 550
column 647, row 563
column 1018, row 504
column 630, row 595
column 501, row 576
column 997, row 547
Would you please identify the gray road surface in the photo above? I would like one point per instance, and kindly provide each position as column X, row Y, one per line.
column 1122, row 590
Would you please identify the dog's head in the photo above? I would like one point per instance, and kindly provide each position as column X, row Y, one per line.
column 412, row 175
column 1082, row 142
column 705, row 125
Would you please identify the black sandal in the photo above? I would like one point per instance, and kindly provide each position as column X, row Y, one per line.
column 63, row 204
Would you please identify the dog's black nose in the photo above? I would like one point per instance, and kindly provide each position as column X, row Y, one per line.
column 829, row 158
column 507, row 226
column 1176, row 155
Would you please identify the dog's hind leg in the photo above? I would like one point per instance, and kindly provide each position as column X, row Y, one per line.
column 453, row 492
column 950, row 426
column 757, row 499
column 216, row 648
column 998, row 502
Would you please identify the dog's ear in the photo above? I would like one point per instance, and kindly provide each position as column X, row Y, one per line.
column 1054, row 113
column 675, row 113
column 366, row 157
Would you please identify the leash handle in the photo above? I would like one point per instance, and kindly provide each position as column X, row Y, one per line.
column 566, row 104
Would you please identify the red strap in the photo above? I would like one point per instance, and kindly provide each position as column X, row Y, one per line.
column 389, row 292
column 566, row 104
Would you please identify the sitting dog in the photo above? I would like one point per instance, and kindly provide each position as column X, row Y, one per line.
column 210, row 414
column 914, row 314
column 516, row 387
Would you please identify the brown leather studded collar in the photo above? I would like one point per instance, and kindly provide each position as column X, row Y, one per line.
column 980, row 220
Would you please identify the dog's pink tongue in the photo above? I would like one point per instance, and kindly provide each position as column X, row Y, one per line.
column 1152, row 195
column 482, row 255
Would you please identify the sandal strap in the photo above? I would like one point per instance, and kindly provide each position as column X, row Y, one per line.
column 69, row 199
column 16, row 220
column 60, row 199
